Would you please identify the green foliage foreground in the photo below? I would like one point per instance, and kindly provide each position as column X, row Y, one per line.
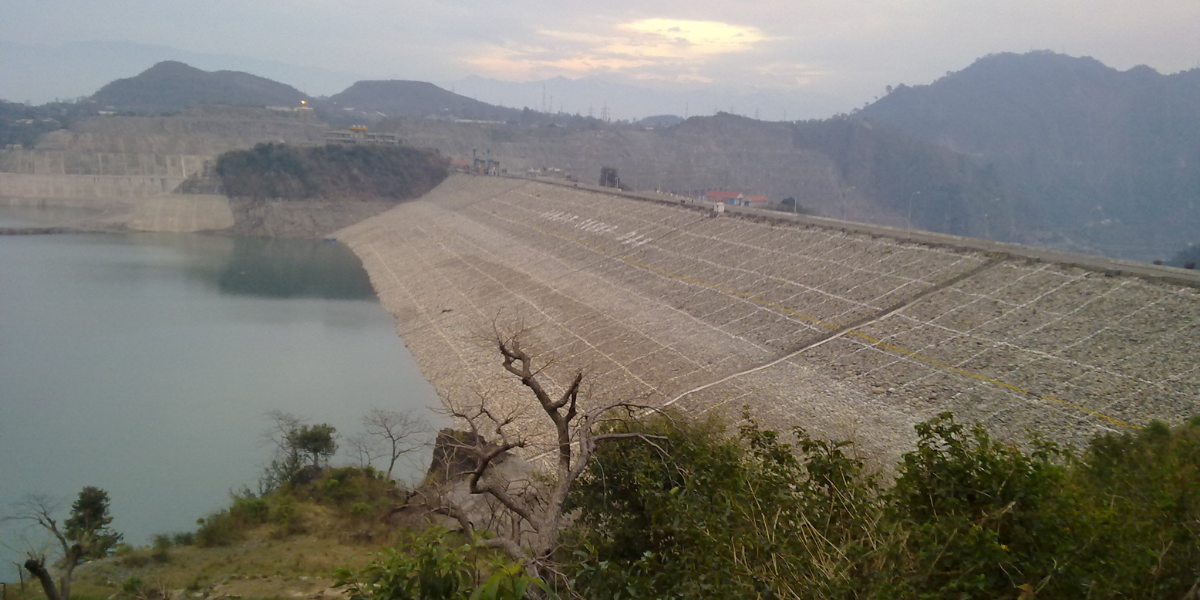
column 712, row 516
column 696, row 512
column 431, row 566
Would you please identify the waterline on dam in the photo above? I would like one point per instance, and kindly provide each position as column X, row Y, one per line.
column 143, row 364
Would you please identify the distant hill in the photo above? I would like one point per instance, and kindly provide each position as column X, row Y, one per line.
column 1108, row 160
column 396, row 98
column 40, row 73
column 170, row 86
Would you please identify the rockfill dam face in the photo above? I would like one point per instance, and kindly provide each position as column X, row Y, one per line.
column 852, row 334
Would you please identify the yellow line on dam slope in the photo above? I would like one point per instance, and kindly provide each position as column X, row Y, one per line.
column 849, row 332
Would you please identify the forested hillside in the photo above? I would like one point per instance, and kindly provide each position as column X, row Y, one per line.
column 1109, row 159
column 271, row 171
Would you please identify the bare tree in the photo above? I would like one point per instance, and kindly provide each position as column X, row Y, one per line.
column 397, row 432
column 85, row 534
column 533, row 507
column 366, row 449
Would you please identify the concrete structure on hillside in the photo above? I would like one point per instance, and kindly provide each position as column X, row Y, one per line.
column 359, row 136
column 736, row 199
column 852, row 331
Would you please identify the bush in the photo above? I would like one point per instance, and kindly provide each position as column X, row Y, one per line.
column 968, row 517
column 772, row 519
column 218, row 529
column 247, row 509
column 161, row 548
column 975, row 512
column 133, row 585
column 431, row 566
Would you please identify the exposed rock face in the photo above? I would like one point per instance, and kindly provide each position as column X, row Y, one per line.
column 451, row 457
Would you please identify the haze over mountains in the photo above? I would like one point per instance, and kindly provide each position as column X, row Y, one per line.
column 416, row 99
column 589, row 96
column 39, row 74
column 1036, row 148
column 1108, row 159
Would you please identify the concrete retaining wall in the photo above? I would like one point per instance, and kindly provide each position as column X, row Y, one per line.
column 85, row 187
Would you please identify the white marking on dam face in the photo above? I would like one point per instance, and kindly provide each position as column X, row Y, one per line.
column 594, row 226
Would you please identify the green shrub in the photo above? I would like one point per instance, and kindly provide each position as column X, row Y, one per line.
column 708, row 515
column 703, row 515
column 133, row 585
column 218, row 529
column 431, row 566
column 247, row 509
column 974, row 513
column 161, row 548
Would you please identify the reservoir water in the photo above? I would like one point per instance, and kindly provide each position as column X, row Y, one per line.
column 143, row 364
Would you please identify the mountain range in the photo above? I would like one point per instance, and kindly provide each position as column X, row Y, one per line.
column 1110, row 160
column 39, row 73
column 1036, row 148
column 171, row 86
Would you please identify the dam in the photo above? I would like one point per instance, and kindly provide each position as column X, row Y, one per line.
column 853, row 333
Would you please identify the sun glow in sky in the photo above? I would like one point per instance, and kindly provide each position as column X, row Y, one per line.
column 671, row 38
column 633, row 47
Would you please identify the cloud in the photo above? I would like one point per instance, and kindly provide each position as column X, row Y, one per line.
column 848, row 50
column 639, row 49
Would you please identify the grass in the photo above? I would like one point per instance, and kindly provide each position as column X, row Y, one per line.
column 258, row 567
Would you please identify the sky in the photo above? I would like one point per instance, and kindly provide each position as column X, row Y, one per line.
column 848, row 50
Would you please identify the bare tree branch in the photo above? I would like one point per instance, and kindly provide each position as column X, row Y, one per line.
column 399, row 432
column 531, row 510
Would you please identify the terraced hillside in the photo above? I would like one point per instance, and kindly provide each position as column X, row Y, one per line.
column 129, row 167
column 851, row 335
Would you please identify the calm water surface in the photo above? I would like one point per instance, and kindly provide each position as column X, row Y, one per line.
column 143, row 364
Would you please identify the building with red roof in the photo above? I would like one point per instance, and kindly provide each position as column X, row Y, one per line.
column 737, row 199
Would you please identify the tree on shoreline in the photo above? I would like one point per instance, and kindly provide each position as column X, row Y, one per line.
column 530, row 514
column 296, row 443
column 84, row 535
column 396, row 433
